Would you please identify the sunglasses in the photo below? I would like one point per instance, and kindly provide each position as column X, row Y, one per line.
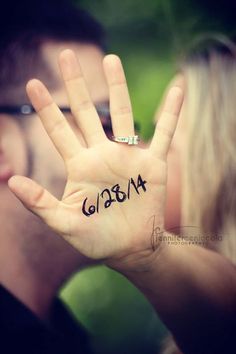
column 27, row 109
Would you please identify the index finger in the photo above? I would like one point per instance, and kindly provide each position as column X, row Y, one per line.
column 167, row 122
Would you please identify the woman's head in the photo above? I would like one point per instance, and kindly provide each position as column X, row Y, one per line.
column 209, row 170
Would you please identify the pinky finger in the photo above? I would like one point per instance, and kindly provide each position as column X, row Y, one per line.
column 167, row 123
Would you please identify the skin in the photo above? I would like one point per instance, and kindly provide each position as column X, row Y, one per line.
column 33, row 277
column 191, row 288
column 174, row 162
column 111, row 160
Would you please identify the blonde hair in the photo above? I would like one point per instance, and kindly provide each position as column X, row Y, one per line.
column 209, row 176
column 209, row 179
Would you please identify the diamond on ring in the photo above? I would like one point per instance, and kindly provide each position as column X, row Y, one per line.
column 130, row 140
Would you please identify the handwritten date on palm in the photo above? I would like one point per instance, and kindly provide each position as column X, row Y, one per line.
column 114, row 194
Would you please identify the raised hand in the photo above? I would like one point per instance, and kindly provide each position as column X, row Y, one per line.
column 113, row 190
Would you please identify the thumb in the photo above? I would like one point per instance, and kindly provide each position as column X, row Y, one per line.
column 34, row 197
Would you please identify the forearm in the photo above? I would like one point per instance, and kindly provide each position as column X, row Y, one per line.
column 193, row 291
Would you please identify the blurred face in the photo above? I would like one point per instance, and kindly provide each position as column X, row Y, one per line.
column 48, row 166
column 27, row 150
column 26, row 145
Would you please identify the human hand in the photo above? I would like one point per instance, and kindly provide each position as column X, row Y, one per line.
column 113, row 190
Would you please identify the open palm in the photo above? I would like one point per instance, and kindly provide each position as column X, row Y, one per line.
column 113, row 189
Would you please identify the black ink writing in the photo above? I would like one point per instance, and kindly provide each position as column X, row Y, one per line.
column 113, row 195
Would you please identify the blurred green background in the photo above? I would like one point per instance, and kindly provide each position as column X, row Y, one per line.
column 150, row 36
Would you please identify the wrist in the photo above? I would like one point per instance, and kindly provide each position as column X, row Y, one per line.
column 140, row 260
